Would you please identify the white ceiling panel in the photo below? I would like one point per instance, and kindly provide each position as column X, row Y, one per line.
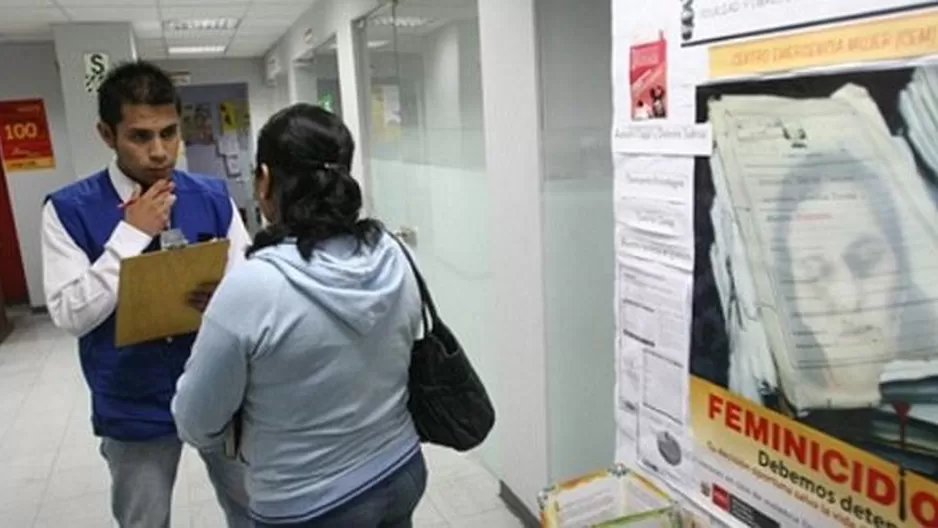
column 195, row 3
column 105, row 3
column 471, row 4
column 146, row 47
column 32, row 15
column 34, row 36
column 242, row 54
column 247, row 50
column 24, row 30
column 243, row 41
column 26, row 3
column 147, row 29
column 113, row 14
column 150, row 55
column 251, row 44
column 150, row 43
column 148, row 34
column 263, row 22
column 269, row 38
column 263, row 10
column 233, row 9
column 263, row 27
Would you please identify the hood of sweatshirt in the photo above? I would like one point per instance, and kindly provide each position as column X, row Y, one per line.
column 358, row 284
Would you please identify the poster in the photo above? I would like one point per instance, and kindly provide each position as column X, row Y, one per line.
column 235, row 116
column 386, row 113
column 821, row 239
column 778, row 365
column 25, row 143
column 198, row 124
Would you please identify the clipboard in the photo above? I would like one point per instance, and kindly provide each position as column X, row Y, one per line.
column 151, row 299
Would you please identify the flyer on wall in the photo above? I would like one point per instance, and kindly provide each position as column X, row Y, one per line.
column 809, row 393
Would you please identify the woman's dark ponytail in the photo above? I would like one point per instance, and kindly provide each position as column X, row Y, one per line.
column 308, row 153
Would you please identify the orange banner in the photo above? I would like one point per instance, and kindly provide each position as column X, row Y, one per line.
column 844, row 484
column 901, row 37
column 25, row 143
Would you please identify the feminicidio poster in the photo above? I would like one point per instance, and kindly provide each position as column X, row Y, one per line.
column 777, row 297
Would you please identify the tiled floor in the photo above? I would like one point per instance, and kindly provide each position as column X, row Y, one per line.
column 52, row 476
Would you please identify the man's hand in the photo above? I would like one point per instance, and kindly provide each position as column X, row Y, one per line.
column 150, row 211
column 199, row 298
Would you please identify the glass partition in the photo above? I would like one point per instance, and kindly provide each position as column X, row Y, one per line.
column 422, row 100
column 574, row 47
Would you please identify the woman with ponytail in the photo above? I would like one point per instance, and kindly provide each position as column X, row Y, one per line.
column 307, row 345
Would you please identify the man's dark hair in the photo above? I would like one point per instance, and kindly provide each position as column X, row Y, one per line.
column 134, row 83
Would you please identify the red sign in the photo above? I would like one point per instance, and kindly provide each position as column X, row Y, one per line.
column 25, row 143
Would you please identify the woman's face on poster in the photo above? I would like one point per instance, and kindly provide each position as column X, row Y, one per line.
column 845, row 272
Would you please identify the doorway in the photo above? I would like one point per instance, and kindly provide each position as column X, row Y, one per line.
column 216, row 131
column 13, row 289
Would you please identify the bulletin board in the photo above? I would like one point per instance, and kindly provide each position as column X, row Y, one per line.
column 776, row 209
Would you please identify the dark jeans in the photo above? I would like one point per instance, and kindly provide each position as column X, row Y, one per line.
column 390, row 504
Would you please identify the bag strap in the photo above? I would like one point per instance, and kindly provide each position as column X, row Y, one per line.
column 426, row 299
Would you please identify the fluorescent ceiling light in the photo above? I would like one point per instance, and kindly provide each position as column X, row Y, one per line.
column 401, row 22
column 201, row 24
column 196, row 50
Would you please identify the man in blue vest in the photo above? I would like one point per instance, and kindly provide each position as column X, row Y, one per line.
column 88, row 227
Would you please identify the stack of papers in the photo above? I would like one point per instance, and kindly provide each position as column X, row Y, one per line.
column 918, row 104
column 825, row 256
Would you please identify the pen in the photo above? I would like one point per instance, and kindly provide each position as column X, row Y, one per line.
column 128, row 203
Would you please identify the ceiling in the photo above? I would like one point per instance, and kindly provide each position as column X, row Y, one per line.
column 263, row 22
column 383, row 36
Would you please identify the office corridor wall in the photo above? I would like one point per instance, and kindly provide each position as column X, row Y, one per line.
column 29, row 71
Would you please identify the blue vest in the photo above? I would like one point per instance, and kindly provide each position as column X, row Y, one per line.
column 132, row 386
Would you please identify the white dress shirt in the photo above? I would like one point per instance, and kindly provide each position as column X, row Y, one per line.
column 80, row 295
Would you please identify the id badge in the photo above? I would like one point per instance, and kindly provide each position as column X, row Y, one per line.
column 172, row 239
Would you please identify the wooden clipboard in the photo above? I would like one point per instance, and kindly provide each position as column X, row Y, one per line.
column 151, row 300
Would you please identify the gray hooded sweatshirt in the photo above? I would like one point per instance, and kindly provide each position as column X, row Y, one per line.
column 315, row 356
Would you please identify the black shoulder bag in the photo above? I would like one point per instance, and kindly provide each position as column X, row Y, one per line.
column 448, row 402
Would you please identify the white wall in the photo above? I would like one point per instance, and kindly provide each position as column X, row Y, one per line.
column 72, row 41
column 31, row 72
column 281, row 96
column 261, row 96
column 513, row 158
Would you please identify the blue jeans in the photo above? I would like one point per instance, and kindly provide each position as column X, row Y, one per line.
column 389, row 504
column 143, row 475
